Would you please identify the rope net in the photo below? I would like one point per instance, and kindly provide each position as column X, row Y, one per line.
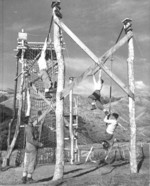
column 38, row 105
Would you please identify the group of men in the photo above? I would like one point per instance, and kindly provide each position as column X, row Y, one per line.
column 32, row 143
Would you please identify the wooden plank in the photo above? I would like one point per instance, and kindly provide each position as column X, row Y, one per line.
column 99, row 62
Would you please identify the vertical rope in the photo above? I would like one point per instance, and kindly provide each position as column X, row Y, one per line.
column 111, row 69
column 110, row 90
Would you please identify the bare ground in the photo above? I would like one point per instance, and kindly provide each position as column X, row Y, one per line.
column 89, row 174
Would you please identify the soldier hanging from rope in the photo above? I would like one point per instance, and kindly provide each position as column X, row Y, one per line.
column 43, row 71
column 95, row 97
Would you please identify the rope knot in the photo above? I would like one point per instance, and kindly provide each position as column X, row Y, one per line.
column 56, row 5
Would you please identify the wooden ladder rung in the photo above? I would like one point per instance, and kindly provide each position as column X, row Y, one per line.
column 67, row 138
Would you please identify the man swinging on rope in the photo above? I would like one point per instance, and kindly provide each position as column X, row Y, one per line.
column 111, row 121
column 43, row 72
column 95, row 97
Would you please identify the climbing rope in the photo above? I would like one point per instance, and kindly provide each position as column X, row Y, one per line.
column 111, row 69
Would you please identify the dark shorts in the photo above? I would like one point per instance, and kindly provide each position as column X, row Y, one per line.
column 105, row 137
column 97, row 98
column 95, row 95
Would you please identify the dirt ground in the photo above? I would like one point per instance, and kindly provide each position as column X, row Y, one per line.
column 89, row 174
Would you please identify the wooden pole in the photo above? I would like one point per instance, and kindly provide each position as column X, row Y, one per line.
column 76, row 101
column 16, row 83
column 14, row 104
column 133, row 160
column 28, row 99
column 70, row 124
column 99, row 61
column 59, row 166
column 10, row 148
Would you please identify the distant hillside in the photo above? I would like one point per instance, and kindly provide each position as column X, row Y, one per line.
column 3, row 98
column 96, row 126
column 91, row 124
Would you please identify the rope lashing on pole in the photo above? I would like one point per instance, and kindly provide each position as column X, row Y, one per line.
column 56, row 4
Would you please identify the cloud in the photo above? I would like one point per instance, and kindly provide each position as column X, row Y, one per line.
column 17, row 26
column 141, row 88
column 143, row 37
column 125, row 9
column 15, row 11
column 140, row 85
column 78, row 65
column 84, row 88
column 75, row 67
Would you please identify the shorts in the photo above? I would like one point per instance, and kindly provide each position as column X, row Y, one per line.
column 95, row 95
column 105, row 137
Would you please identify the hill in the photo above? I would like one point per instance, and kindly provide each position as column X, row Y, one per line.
column 95, row 124
column 91, row 124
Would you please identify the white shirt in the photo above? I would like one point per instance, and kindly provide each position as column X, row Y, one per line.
column 42, row 62
column 97, row 84
column 112, row 124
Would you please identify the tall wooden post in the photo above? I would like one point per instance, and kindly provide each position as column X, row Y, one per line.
column 70, row 125
column 14, row 104
column 22, row 37
column 76, row 149
column 59, row 166
column 133, row 161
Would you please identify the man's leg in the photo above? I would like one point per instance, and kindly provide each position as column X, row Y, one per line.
column 96, row 101
column 105, row 139
column 25, row 167
column 31, row 168
column 99, row 105
column 47, row 82
column 92, row 99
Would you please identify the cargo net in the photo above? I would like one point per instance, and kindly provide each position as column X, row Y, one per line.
column 38, row 105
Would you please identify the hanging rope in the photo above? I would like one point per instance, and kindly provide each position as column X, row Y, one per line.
column 110, row 90
column 111, row 69
column 50, row 28
column 51, row 55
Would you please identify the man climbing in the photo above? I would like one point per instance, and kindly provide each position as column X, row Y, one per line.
column 30, row 156
column 111, row 121
column 95, row 97
column 43, row 71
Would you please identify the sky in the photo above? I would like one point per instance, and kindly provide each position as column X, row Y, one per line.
column 96, row 22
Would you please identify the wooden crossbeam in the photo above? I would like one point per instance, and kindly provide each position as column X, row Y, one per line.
column 99, row 62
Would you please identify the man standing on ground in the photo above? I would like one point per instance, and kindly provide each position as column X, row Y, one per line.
column 30, row 156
